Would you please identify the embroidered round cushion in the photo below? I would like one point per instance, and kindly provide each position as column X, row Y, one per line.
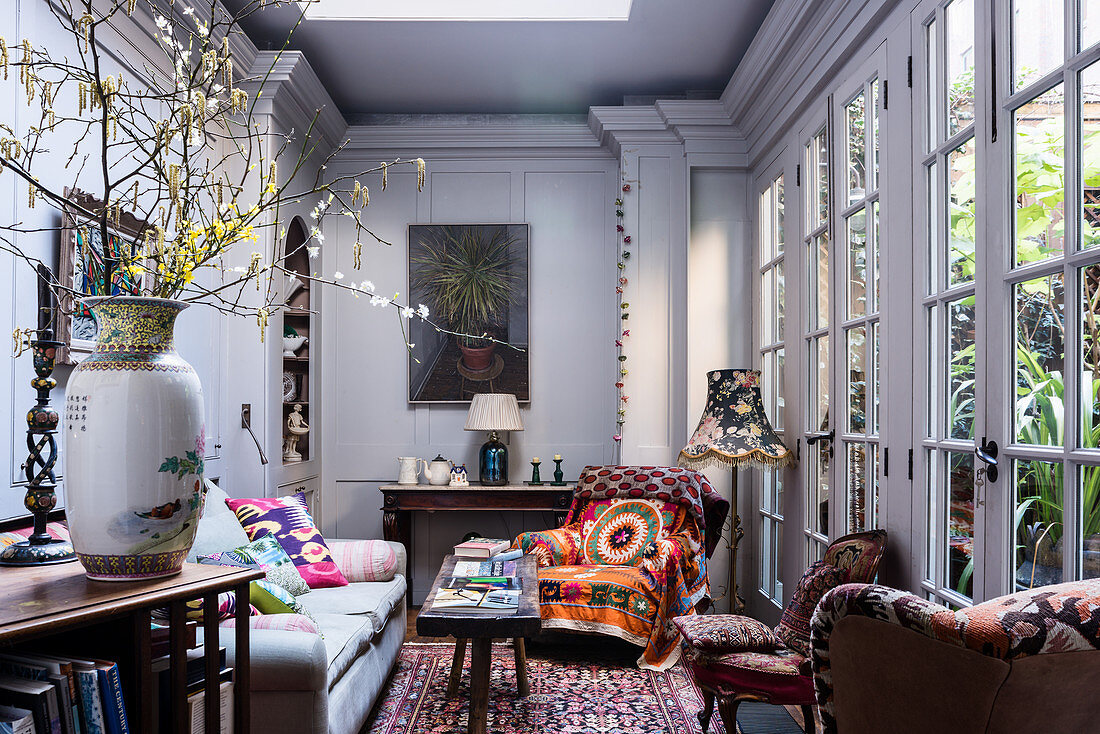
column 621, row 534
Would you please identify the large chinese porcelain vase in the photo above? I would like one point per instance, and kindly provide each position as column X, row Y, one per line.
column 134, row 444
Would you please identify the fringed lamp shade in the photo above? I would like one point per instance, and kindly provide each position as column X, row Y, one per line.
column 734, row 429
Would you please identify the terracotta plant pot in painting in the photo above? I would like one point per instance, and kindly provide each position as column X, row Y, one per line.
column 477, row 359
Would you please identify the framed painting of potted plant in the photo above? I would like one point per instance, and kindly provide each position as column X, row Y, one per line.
column 474, row 280
column 82, row 266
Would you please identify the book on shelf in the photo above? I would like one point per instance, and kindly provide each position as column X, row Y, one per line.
column 91, row 703
column 53, row 670
column 482, row 547
column 196, row 703
column 485, row 568
column 489, row 601
column 16, row 721
column 159, row 637
column 38, row 697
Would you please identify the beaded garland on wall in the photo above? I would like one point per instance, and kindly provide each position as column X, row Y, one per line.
column 623, row 248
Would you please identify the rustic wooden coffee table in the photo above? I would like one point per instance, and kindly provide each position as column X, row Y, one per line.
column 482, row 629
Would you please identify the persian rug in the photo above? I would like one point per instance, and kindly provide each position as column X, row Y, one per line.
column 573, row 691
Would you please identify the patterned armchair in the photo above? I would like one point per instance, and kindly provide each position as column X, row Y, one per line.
column 630, row 556
column 885, row 660
column 735, row 658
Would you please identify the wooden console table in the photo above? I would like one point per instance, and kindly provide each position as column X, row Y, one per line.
column 399, row 501
column 58, row 610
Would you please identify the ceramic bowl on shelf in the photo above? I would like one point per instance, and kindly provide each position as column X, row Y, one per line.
column 291, row 344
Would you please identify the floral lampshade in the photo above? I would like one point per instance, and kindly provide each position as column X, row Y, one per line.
column 734, row 430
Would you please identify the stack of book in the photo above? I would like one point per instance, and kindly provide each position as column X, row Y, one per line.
column 46, row 694
column 480, row 587
column 60, row 695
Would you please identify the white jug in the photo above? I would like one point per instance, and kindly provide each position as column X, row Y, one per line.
column 408, row 470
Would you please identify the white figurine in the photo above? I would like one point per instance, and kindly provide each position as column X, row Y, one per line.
column 297, row 427
column 458, row 476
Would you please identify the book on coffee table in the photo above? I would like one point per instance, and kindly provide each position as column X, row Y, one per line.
column 494, row 601
column 482, row 569
column 482, row 547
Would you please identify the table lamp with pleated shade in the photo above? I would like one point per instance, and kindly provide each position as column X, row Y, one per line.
column 493, row 412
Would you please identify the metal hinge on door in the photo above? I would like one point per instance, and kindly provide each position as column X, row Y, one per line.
column 909, row 71
column 886, row 462
column 885, row 94
column 798, row 175
column 910, row 465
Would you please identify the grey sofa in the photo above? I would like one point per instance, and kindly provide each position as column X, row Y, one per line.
column 306, row 683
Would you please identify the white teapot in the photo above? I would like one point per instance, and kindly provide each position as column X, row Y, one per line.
column 438, row 471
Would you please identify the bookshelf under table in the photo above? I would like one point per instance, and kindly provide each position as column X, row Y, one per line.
column 64, row 612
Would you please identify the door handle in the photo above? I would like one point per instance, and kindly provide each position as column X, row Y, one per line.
column 821, row 437
column 987, row 453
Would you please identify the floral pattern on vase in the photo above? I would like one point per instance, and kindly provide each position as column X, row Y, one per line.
column 134, row 444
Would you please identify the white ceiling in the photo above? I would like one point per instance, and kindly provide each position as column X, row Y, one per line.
column 666, row 48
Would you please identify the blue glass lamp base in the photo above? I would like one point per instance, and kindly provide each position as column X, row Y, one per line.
column 493, row 462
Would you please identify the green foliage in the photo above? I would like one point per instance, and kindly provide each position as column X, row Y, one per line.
column 467, row 277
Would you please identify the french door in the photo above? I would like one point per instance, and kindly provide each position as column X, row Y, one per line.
column 1007, row 248
column 842, row 222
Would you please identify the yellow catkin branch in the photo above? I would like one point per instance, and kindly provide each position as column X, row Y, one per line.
column 131, row 5
column 421, row 173
column 4, row 58
column 385, row 168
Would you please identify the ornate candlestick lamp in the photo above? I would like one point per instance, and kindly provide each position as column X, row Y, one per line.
column 42, row 420
column 536, row 480
column 734, row 431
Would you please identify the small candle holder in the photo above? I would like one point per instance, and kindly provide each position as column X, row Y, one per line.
column 559, row 475
column 536, row 480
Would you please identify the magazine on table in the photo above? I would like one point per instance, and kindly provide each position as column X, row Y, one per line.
column 496, row 601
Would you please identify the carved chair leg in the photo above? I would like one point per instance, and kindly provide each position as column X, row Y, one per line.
column 708, row 709
column 727, row 709
column 811, row 723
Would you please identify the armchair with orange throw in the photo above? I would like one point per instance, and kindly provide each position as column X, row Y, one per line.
column 631, row 556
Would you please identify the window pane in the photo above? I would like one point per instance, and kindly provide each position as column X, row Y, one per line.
column 1090, row 522
column 819, row 455
column 820, row 376
column 876, row 472
column 960, row 523
column 933, row 88
column 777, row 482
column 766, row 572
column 855, row 116
column 933, row 483
column 778, row 416
column 874, row 136
column 960, row 65
column 819, row 281
column 1038, row 39
column 856, row 226
column 766, row 238
column 780, row 207
column 857, row 487
column 935, row 230
column 960, row 368
column 873, row 262
column 780, row 298
column 1089, row 278
column 873, row 378
column 857, row 380
column 1040, row 360
column 1038, row 524
column 961, row 191
column 1090, row 152
column 1090, row 23
column 1040, row 172
column 767, row 382
column 767, row 298
column 818, row 175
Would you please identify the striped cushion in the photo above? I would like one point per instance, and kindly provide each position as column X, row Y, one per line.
column 365, row 560
column 290, row 622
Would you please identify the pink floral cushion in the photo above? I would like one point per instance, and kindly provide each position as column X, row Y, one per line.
column 288, row 519
column 365, row 560
column 286, row 622
column 794, row 626
column 716, row 633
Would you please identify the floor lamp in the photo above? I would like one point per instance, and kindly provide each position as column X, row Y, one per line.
column 734, row 431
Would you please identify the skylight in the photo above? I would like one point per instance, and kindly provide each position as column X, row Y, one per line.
column 468, row 10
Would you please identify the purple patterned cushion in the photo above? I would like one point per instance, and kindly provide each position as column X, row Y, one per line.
column 717, row 633
column 794, row 626
column 288, row 519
